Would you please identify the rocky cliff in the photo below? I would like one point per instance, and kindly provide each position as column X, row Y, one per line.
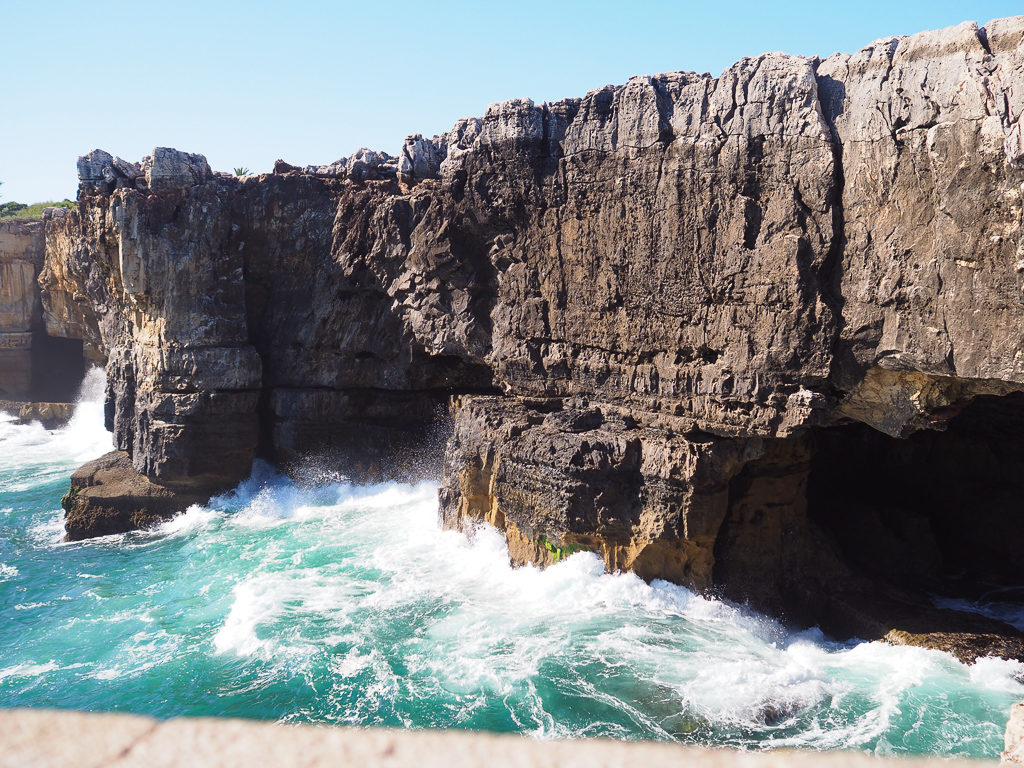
column 756, row 333
column 34, row 365
column 21, row 251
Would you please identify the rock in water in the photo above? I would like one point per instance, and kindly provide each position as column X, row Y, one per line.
column 50, row 415
column 108, row 496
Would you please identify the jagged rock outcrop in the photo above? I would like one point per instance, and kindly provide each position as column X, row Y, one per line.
column 658, row 308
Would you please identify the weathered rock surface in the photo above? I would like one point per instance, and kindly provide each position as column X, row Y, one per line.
column 50, row 415
column 108, row 496
column 32, row 364
column 659, row 307
column 21, row 249
column 930, row 274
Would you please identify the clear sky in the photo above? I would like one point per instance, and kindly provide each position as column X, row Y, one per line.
column 247, row 82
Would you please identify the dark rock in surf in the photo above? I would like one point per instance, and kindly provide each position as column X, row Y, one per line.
column 108, row 496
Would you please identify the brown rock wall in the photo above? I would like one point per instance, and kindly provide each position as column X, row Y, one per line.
column 647, row 301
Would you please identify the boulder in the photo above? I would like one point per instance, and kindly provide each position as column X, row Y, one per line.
column 108, row 496
column 170, row 168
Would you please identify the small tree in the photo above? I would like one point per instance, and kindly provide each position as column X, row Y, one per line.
column 242, row 171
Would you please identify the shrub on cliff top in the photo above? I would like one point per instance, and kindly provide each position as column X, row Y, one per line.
column 14, row 210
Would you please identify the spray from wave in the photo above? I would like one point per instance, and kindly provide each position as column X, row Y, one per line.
column 28, row 448
column 348, row 604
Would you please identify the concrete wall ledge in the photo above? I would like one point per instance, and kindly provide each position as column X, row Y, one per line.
column 36, row 738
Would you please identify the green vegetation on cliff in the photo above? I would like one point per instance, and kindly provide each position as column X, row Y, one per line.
column 13, row 210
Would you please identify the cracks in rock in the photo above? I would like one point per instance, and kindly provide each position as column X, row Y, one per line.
column 830, row 272
column 982, row 35
column 127, row 750
column 666, row 110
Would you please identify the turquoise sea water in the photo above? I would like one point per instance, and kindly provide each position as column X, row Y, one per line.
column 348, row 604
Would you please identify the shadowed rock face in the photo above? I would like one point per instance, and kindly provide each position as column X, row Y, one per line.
column 653, row 305
column 34, row 365
column 21, row 246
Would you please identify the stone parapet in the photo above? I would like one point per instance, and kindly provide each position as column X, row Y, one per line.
column 37, row 738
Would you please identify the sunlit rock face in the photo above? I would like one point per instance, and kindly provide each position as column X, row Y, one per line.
column 636, row 315
column 933, row 264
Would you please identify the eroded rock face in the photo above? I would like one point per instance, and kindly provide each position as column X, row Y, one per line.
column 21, row 246
column 109, row 496
column 33, row 364
column 649, row 302
column 166, row 300
column 649, row 496
column 931, row 272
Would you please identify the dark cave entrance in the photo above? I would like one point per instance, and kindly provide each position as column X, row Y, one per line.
column 935, row 509
column 859, row 533
column 58, row 367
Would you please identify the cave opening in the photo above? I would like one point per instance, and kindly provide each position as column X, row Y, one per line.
column 860, row 533
column 940, row 510
column 58, row 367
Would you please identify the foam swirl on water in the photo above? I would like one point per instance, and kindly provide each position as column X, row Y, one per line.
column 348, row 604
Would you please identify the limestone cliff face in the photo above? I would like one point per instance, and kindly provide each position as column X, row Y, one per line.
column 658, row 306
column 21, row 249
column 931, row 269
column 33, row 365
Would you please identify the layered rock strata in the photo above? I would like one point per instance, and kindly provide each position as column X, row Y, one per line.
column 678, row 321
column 36, row 360
column 21, row 252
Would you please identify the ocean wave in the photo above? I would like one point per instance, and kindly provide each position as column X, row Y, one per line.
column 346, row 603
column 31, row 450
column 27, row 670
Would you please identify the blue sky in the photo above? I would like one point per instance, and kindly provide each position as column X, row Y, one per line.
column 247, row 82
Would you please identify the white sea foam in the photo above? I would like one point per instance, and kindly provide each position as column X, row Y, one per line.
column 26, row 670
column 354, row 598
column 29, row 448
column 50, row 530
column 85, row 436
column 191, row 520
column 489, row 631
column 7, row 572
column 995, row 674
